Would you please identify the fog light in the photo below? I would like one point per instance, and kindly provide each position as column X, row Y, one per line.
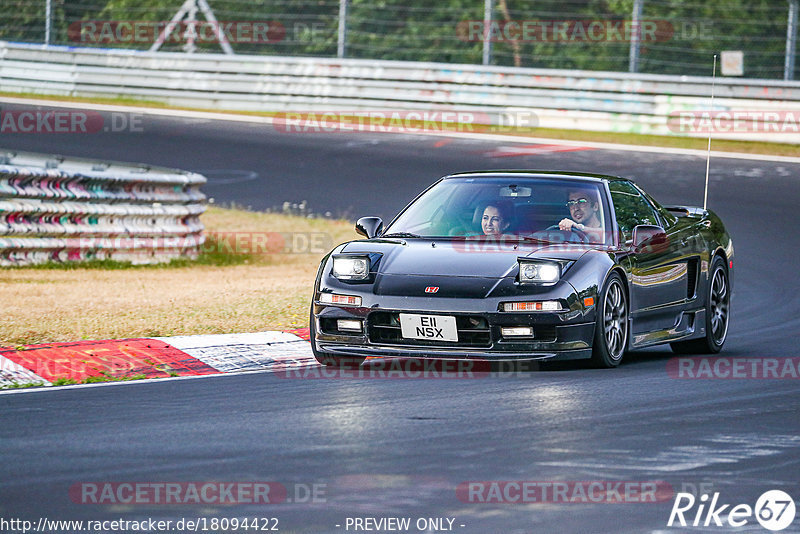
column 350, row 325
column 340, row 300
column 546, row 305
column 517, row 331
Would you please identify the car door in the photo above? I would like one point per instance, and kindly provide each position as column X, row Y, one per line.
column 658, row 275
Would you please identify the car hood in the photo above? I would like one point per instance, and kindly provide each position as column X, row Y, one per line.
column 458, row 258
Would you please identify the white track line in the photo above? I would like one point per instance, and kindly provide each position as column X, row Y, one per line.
column 42, row 389
column 233, row 117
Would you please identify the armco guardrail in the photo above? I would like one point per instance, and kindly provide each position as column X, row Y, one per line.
column 587, row 100
column 56, row 209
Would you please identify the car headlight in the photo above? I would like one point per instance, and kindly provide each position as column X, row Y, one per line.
column 539, row 272
column 351, row 267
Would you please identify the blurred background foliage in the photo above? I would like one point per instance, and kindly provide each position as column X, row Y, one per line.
column 690, row 32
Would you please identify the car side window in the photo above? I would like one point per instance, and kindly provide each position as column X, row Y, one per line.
column 667, row 218
column 631, row 208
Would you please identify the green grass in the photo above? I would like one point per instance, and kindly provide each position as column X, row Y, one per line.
column 211, row 255
column 64, row 382
column 71, row 381
column 717, row 145
column 115, row 101
column 26, row 385
column 107, row 378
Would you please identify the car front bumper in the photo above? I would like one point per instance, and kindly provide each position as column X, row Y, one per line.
column 557, row 336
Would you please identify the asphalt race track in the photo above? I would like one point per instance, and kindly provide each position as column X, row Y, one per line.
column 400, row 448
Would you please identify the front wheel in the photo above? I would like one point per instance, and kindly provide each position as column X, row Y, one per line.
column 325, row 358
column 611, row 330
column 718, row 302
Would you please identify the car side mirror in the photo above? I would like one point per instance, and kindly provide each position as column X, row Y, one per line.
column 369, row 227
column 649, row 239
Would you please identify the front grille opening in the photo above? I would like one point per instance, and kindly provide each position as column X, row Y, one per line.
column 544, row 332
column 384, row 328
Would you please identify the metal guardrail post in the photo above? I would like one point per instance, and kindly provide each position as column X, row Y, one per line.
column 636, row 36
column 487, row 27
column 791, row 41
column 48, row 8
column 341, row 46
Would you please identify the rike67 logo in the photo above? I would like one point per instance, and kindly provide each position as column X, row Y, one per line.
column 774, row 510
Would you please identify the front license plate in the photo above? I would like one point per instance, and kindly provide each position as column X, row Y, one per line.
column 431, row 327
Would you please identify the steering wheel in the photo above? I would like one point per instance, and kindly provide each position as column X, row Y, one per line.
column 580, row 234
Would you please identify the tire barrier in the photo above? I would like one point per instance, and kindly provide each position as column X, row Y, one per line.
column 747, row 109
column 64, row 210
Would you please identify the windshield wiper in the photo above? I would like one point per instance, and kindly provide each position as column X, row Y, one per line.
column 529, row 239
column 400, row 234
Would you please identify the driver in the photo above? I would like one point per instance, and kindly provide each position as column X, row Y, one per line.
column 584, row 210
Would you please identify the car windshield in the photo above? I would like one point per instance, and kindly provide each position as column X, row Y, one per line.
column 535, row 209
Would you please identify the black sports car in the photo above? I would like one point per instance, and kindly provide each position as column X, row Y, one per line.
column 504, row 265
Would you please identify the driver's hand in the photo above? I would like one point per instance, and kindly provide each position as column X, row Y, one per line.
column 566, row 224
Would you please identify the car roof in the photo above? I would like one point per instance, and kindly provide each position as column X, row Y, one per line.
column 524, row 173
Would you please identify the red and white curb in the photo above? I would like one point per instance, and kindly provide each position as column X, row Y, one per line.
column 154, row 357
column 229, row 353
column 532, row 150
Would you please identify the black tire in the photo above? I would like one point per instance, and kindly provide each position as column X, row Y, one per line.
column 718, row 300
column 324, row 358
column 612, row 326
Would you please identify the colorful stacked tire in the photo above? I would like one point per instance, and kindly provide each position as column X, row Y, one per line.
column 57, row 209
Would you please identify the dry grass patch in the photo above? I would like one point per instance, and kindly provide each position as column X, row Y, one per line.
column 229, row 290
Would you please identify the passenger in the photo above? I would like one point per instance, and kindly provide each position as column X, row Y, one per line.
column 585, row 212
column 497, row 217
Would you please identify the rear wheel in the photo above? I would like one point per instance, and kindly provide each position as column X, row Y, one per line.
column 718, row 302
column 611, row 330
column 325, row 358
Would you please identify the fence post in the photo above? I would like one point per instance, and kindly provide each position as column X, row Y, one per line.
column 636, row 36
column 341, row 48
column 47, row 16
column 791, row 41
column 487, row 27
